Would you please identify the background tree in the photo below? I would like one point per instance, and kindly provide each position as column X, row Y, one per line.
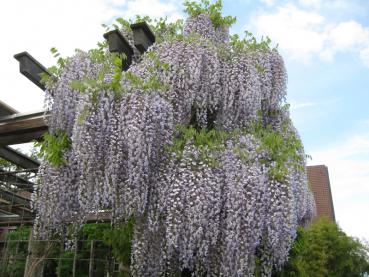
column 323, row 249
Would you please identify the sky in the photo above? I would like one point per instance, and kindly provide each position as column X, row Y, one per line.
column 325, row 45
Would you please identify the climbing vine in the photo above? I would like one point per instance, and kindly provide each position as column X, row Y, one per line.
column 193, row 143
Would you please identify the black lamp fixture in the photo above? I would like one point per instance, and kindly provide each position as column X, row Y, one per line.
column 143, row 36
column 31, row 68
column 118, row 43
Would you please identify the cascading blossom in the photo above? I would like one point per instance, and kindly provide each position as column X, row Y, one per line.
column 209, row 202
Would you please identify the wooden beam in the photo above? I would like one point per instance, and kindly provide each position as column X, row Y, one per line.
column 21, row 128
column 14, row 198
column 18, row 158
column 22, row 137
column 5, row 109
column 31, row 68
column 21, row 120
column 16, row 222
column 10, row 154
column 28, row 218
column 15, row 212
column 14, row 208
column 19, row 182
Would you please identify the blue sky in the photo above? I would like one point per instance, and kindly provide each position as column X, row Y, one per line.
column 325, row 44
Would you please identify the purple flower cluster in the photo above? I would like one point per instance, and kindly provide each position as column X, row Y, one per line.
column 210, row 210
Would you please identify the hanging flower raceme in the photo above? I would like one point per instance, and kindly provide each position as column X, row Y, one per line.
column 193, row 142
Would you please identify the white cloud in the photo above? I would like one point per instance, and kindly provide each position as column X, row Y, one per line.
column 36, row 26
column 364, row 56
column 348, row 34
column 348, row 164
column 336, row 5
column 293, row 29
column 152, row 8
column 305, row 33
column 116, row 3
column 310, row 3
column 268, row 2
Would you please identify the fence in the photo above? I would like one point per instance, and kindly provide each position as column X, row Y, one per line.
column 21, row 255
column 50, row 258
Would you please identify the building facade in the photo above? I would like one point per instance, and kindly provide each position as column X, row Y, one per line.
column 319, row 183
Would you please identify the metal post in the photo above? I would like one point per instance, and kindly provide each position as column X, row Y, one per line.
column 75, row 256
column 91, row 267
column 60, row 259
column 29, row 255
column 5, row 258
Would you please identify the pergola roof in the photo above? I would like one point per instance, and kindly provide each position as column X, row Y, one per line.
column 15, row 203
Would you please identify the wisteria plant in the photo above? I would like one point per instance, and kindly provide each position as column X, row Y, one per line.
column 193, row 143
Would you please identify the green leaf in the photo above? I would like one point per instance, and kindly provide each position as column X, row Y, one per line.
column 53, row 146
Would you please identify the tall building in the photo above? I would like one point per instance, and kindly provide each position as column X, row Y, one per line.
column 319, row 183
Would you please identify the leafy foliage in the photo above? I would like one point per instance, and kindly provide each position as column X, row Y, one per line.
column 16, row 243
column 283, row 147
column 58, row 261
column 250, row 43
column 203, row 139
column 120, row 239
column 214, row 10
column 52, row 147
column 54, row 72
column 323, row 249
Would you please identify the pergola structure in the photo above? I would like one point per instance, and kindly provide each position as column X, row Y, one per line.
column 16, row 183
column 16, row 128
column 18, row 172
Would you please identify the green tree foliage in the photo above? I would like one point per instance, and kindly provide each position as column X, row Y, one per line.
column 120, row 240
column 58, row 261
column 15, row 247
column 323, row 249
